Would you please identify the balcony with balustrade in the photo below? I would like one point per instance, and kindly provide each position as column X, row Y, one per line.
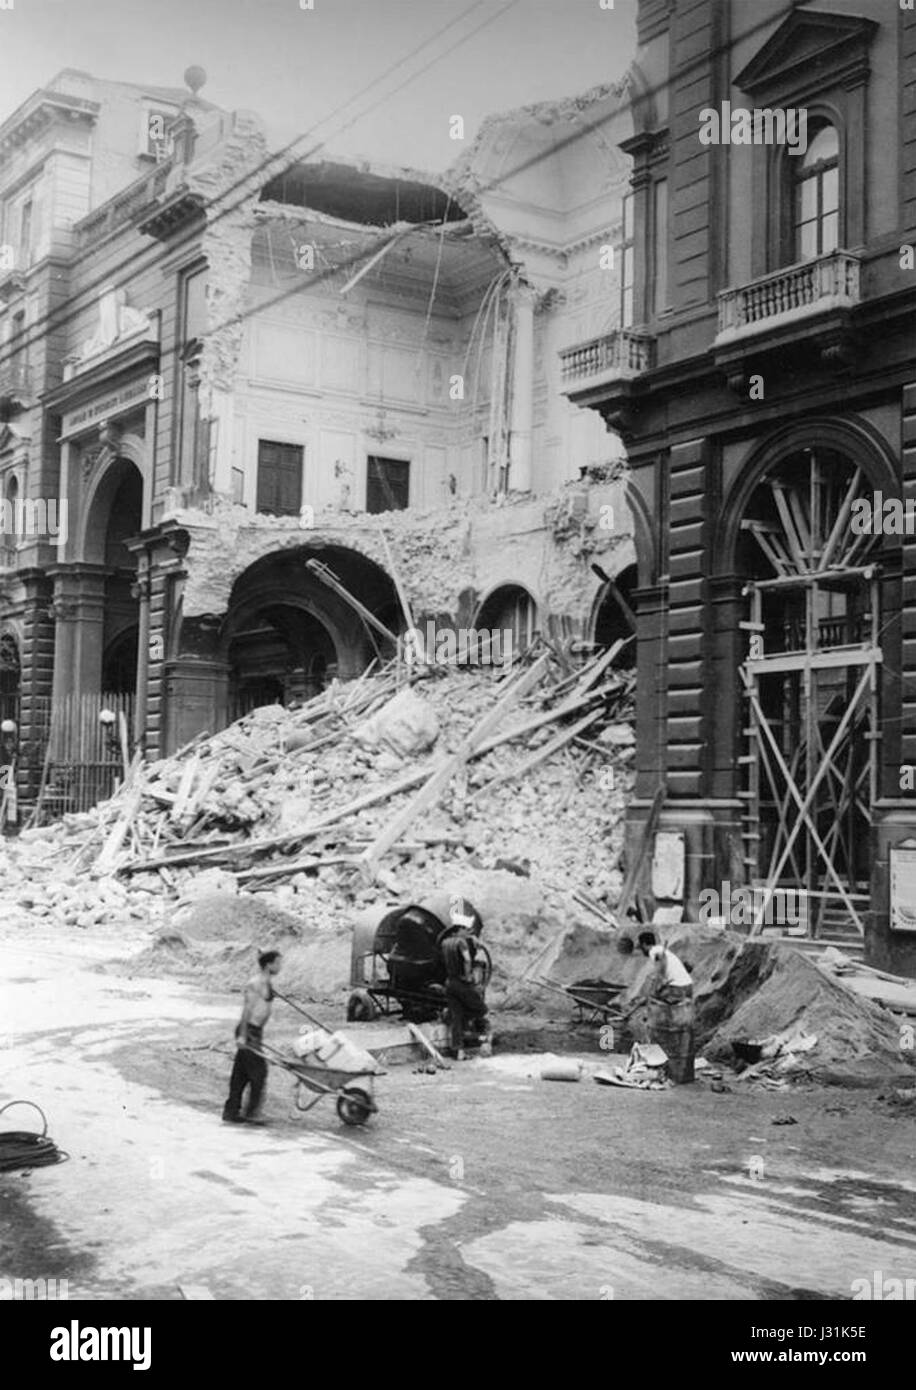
column 618, row 356
column 789, row 301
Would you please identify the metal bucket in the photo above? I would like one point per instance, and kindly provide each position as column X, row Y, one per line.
column 671, row 1027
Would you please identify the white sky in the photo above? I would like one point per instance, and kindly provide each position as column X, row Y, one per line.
column 295, row 67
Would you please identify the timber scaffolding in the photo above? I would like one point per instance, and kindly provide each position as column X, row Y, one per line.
column 812, row 726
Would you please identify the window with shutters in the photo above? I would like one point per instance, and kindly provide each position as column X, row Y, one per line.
column 279, row 478
column 387, row 484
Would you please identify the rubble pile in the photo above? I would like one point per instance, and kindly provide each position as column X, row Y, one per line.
column 523, row 773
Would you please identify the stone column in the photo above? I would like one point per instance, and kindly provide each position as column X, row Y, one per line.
column 79, row 610
column 522, row 410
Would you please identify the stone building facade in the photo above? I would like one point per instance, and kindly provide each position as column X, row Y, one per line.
column 766, row 388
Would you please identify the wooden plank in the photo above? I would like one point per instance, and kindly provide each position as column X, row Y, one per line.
column 804, row 805
column 436, row 784
column 628, row 889
column 105, row 862
column 329, row 578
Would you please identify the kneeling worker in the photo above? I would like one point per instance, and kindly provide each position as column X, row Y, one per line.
column 670, row 1006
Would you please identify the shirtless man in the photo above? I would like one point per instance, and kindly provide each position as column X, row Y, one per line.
column 250, row 1068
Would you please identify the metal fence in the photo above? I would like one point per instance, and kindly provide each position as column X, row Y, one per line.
column 83, row 755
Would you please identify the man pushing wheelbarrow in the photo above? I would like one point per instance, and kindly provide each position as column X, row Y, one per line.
column 323, row 1063
column 249, row 1071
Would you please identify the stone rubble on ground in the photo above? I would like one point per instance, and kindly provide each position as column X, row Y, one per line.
column 254, row 809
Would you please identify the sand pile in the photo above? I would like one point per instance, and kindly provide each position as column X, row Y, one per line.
column 779, row 1015
column 216, row 939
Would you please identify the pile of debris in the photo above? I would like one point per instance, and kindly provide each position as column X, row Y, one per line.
column 779, row 1016
column 392, row 782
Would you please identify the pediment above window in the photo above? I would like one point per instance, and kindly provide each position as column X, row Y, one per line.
column 12, row 439
column 810, row 51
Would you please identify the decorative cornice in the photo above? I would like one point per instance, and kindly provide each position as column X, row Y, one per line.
column 143, row 354
column 163, row 219
column 41, row 111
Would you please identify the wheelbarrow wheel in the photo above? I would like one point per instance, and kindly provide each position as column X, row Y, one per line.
column 354, row 1106
column 361, row 1007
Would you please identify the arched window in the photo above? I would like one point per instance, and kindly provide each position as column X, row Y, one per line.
column 816, row 202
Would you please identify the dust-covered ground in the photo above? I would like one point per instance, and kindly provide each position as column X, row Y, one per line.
column 481, row 1182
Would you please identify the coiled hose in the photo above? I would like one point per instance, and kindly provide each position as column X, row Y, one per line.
column 21, row 1148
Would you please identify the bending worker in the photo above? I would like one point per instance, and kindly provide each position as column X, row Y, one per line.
column 250, row 1068
column 670, row 992
column 465, row 1001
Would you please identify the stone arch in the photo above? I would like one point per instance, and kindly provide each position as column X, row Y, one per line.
column 609, row 620
column 510, row 606
column 855, row 438
column 645, row 539
column 104, row 482
column 285, row 631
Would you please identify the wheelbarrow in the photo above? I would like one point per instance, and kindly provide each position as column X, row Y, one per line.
column 351, row 1081
column 328, row 1064
column 595, row 1000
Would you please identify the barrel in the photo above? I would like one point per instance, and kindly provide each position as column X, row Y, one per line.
column 671, row 1027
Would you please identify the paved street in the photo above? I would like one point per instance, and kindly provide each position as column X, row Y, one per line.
column 478, row 1183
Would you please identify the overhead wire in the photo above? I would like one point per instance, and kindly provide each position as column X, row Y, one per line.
column 57, row 318
column 65, row 315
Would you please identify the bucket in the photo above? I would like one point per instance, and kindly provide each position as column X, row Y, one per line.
column 671, row 1027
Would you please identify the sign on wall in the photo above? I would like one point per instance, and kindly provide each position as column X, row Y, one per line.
column 903, row 887
column 114, row 403
column 668, row 865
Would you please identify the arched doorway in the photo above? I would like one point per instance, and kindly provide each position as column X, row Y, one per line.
column 122, row 608
column 810, row 684
column 290, row 628
column 614, row 619
column 281, row 654
column 509, row 609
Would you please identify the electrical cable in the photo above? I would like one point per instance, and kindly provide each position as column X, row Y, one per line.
column 56, row 319
column 61, row 318
column 22, row 1148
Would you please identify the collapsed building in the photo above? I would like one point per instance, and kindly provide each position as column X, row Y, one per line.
column 282, row 400
column 600, row 376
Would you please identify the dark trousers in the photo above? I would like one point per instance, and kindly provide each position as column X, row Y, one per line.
column 249, row 1069
column 465, row 1002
